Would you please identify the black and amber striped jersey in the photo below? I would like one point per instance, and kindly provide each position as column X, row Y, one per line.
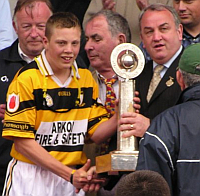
column 56, row 115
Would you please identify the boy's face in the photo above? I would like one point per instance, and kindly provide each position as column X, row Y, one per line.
column 62, row 48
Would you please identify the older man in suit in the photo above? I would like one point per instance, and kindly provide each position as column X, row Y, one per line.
column 104, row 31
column 161, row 34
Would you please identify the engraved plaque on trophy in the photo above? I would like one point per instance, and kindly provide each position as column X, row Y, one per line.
column 127, row 61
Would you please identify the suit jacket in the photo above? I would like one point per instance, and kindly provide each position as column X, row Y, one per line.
column 166, row 93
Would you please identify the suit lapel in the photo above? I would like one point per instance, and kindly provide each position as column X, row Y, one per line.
column 168, row 79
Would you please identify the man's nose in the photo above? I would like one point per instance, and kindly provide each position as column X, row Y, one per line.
column 34, row 32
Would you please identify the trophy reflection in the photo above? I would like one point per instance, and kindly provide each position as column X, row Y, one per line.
column 127, row 61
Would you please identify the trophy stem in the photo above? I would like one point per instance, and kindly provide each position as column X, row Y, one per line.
column 125, row 157
column 126, row 94
column 127, row 61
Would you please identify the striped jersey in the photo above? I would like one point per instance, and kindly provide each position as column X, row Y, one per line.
column 58, row 116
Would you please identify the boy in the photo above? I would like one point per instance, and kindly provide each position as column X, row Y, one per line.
column 51, row 106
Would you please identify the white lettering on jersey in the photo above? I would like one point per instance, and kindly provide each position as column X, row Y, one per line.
column 61, row 133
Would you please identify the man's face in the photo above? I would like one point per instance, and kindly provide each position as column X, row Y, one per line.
column 189, row 12
column 99, row 43
column 62, row 48
column 160, row 36
column 30, row 28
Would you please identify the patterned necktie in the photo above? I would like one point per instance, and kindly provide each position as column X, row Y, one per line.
column 110, row 107
column 154, row 81
column 110, row 94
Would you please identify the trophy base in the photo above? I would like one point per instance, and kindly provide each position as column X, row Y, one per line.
column 117, row 161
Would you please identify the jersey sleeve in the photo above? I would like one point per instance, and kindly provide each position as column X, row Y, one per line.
column 20, row 109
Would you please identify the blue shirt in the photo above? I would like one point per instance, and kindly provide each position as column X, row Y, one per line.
column 189, row 39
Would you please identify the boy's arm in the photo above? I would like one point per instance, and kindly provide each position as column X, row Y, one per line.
column 38, row 155
column 105, row 130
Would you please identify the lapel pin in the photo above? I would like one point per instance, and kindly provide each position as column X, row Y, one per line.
column 170, row 82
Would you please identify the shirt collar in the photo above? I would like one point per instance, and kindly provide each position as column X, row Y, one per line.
column 167, row 64
column 99, row 76
column 46, row 68
column 188, row 35
column 23, row 55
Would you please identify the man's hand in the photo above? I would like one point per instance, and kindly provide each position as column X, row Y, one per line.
column 95, row 183
column 136, row 104
column 142, row 4
column 108, row 5
column 2, row 111
column 134, row 124
column 86, row 178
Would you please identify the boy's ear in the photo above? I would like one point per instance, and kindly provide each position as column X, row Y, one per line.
column 45, row 41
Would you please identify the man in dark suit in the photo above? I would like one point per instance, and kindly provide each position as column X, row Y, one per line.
column 161, row 34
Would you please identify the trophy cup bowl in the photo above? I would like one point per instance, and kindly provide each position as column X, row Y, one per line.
column 127, row 61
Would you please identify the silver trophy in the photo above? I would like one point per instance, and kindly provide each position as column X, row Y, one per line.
column 127, row 61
